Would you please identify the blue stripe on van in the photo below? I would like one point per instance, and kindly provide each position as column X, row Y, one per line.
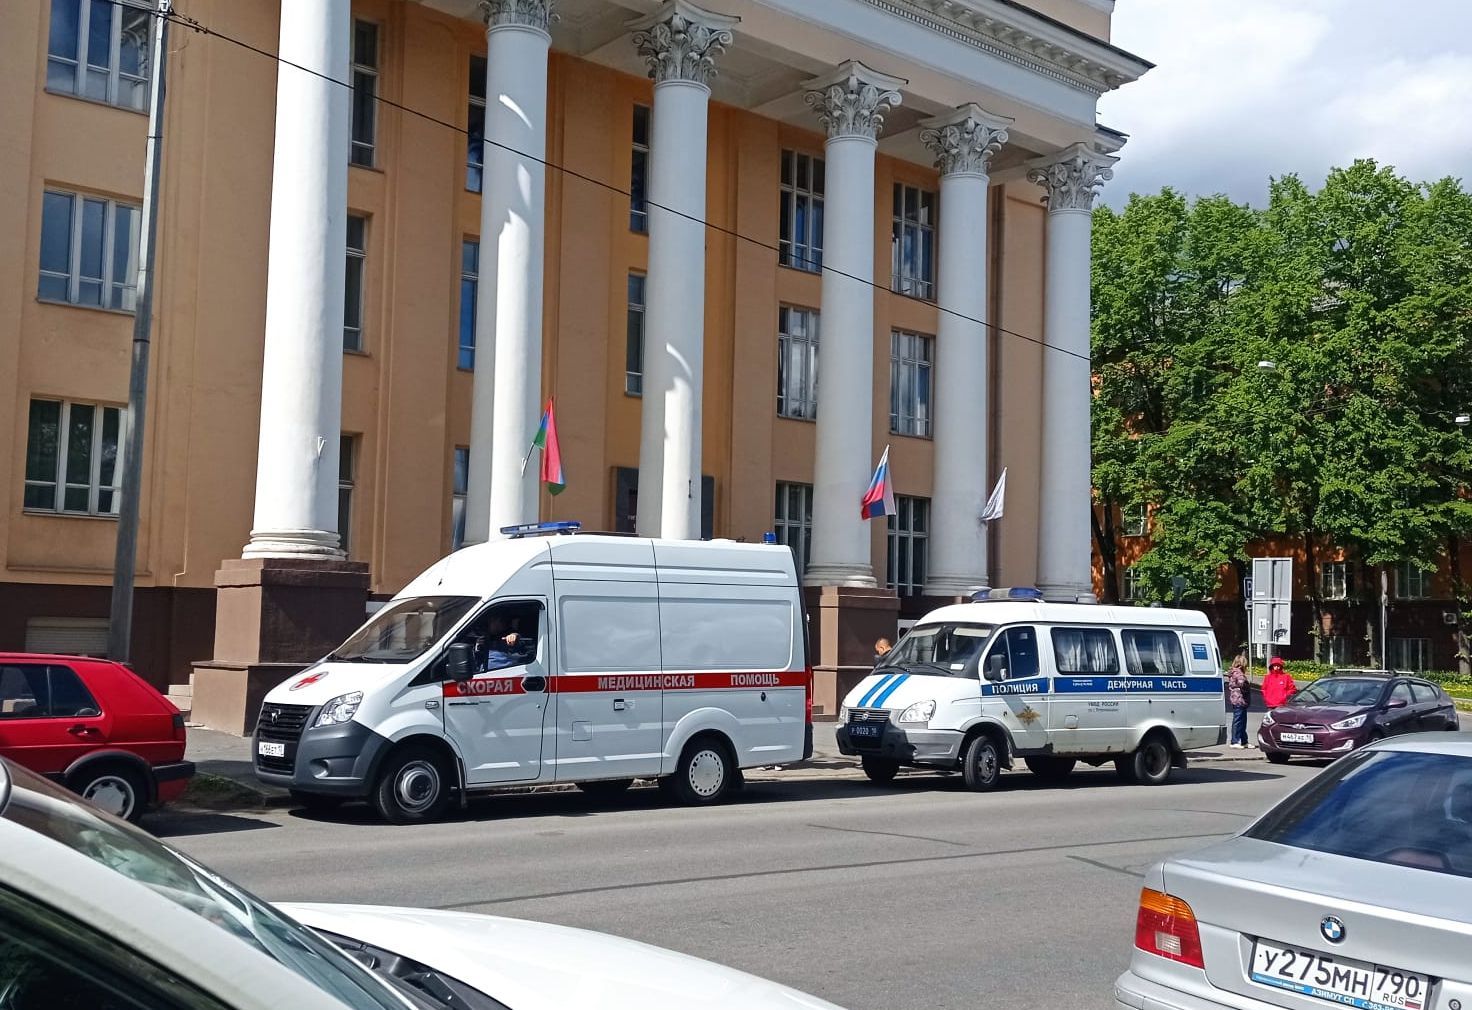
column 893, row 686
column 864, row 701
column 1137, row 685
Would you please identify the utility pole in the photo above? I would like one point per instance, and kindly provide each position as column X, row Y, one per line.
column 125, row 561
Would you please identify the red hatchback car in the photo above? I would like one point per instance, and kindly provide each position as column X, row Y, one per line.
column 96, row 727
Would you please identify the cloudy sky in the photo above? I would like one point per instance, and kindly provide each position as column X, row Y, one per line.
column 1245, row 89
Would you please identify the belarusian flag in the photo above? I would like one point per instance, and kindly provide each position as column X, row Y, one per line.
column 546, row 440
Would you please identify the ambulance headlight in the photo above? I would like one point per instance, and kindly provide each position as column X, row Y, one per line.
column 339, row 709
column 920, row 712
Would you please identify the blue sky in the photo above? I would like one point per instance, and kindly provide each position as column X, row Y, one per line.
column 1247, row 89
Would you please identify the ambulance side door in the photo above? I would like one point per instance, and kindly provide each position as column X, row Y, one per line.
column 1014, row 686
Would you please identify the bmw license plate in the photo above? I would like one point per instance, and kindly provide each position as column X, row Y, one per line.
column 869, row 732
column 270, row 749
column 1296, row 737
column 1338, row 980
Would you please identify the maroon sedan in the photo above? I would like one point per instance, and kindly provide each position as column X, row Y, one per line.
column 1341, row 713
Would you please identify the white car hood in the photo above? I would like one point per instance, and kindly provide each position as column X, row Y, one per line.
column 896, row 690
column 322, row 682
column 539, row 966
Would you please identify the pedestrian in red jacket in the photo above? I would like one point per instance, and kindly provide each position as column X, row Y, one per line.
column 1277, row 686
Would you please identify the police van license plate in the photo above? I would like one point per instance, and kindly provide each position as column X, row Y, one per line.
column 865, row 730
column 267, row 748
column 1296, row 737
column 1338, row 980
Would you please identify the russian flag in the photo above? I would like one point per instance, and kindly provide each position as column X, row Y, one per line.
column 879, row 499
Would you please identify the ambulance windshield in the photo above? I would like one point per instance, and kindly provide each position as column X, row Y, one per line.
column 403, row 631
column 950, row 649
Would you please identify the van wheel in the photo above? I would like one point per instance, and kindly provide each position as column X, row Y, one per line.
column 1051, row 769
column 881, row 771
column 981, row 765
column 114, row 788
column 412, row 787
column 315, row 803
column 605, row 788
column 705, row 773
column 1151, row 762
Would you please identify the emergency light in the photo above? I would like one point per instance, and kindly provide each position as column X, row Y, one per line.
column 541, row 529
column 1014, row 594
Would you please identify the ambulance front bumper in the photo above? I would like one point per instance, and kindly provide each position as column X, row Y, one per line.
column 905, row 745
column 335, row 760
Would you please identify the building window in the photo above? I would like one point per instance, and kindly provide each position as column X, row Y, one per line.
column 458, row 490
column 347, row 458
column 365, row 91
column 1136, row 520
column 475, row 125
column 910, row 358
column 634, row 338
column 99, row 50
column 801, row 241
column 626, row 502
column 1334, row 650
column 89, row 251
column 1334, row 580
column 639, row 173
column 912, row 243
column 469, row 291
column 352, row 309
column 1413, row 654
column 74, row 458
column 794, row 521
column 909, row 539
column 797, row 363
column 1132, row 584
column 1410, row 581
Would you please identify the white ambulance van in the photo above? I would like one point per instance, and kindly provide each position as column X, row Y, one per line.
column 554, row 658
column 977, row 686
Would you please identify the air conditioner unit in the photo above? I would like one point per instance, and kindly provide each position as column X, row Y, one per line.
column 1449, row 617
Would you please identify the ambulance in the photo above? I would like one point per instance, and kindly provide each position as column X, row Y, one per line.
column 553, row 657
column 977, row 687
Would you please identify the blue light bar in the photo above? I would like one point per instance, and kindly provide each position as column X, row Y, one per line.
column 540, row 529
column 1024, row 594
column 769, row 537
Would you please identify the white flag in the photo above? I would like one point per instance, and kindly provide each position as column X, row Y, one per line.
column 993, row 509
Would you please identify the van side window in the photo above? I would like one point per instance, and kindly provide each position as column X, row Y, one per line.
column 502, row 636
column 1085, row 651
column 1019, row 649
column 1153, row 653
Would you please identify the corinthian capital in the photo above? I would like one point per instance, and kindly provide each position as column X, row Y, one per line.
column 538, row 14
column 681, row 41
column 853, row 101
column 1072, row 177
column 965, row 140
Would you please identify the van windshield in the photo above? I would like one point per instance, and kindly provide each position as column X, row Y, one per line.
column 951, row 649
column 403, row 631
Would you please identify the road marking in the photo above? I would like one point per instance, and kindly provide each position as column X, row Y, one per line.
column 891, row 834
column 1106, row 866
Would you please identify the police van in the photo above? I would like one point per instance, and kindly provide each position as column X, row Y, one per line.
column 547, row 658
column 977, row 686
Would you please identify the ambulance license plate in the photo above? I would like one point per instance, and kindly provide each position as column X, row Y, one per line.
column 1296, row 737
column 1338, row 980
column 267, row 748
column 865, row 730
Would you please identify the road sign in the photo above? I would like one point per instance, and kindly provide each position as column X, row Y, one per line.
column 1272, row 579
column 1270, row 592
column 1271, row 622
column 1247, row 593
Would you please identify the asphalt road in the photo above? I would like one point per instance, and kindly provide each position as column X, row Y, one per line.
column 918, row 896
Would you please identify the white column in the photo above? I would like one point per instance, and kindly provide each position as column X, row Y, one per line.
column 964, row 142
column 679, row 42
column 1064, row 555
column 851, row 103
column 506, row 405
column 301, row 376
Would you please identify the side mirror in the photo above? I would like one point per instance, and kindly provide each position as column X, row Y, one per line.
column 534, row 684
column 996, row 667
column 1396, row 703
column 457, row 661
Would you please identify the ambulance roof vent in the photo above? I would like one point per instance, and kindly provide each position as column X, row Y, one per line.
column 540, row 529
column 1026, row 594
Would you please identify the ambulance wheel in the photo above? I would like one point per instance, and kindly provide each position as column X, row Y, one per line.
column 881, row 771
column 1051, row 769
column 1150, row 764
column 604, row 788
column 316, row 803
column 705, row 773
column 982, row 763
column 412, row 787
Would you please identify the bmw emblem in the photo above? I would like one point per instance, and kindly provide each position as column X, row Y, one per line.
column 1332, row 928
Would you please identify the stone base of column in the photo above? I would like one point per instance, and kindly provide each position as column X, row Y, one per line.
column 844, row 623
column 1070, row 593
column 959, row 586
column 849, row 576
column 273, row 616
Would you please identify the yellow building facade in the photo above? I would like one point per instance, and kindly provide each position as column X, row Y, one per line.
column 71, row 178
